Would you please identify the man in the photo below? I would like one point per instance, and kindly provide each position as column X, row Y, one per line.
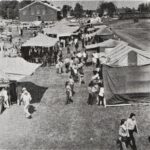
column 4, row 94
column 26, row 98
column 132, row 127
column 123, row 134
column 19, row 92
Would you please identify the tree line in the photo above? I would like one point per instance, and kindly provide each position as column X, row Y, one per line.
column 9, row 9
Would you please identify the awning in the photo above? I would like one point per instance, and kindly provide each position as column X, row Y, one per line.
column 40, row 40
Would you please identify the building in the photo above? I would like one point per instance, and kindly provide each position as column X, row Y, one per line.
column 39, row 11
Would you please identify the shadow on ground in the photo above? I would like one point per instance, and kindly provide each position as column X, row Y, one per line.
column 36, row 91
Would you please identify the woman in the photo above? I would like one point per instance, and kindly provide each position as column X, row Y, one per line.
column 123, row 134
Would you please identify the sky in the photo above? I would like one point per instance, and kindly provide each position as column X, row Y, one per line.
column 93, row 4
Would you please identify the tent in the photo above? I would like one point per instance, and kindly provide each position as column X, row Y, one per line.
column 126, row 84
column 61, row 29
column 104, row 31
column 125, row 55
column 40, row 40
column 17, row 68
column 106, row 44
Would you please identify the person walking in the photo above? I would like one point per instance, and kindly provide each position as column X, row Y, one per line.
column 68, row 93
column 26, row 98
column 71, row 82
column 132, row 127
column 123, row 134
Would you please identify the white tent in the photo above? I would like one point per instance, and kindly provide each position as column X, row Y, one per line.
column 41, row 40
column 61, row 29
column 17, row 68
column 127, row 55
column 106, row 44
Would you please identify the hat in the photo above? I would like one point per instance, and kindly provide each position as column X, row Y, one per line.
column 24, row 89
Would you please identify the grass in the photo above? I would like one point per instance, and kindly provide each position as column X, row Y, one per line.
column 137, row 34
column 73, row 127
column 77, row 126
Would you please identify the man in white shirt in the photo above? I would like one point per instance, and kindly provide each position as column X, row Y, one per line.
column 4, row 94
column 132, row 127
column 101, row 100
column 26, row 98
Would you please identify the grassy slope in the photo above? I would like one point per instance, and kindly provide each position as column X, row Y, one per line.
column 137, row 34
column 76, row 126
column 73, row 127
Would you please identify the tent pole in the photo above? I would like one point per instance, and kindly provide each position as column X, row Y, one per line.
column 136, row 104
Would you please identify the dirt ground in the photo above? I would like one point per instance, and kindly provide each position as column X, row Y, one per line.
column 137, row 34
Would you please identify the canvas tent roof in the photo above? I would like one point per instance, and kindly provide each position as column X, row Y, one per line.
column 61, row 29
column 40, row 40
column 100, row 29
column 106, row 44
column 121, row 54
column 17, row 68
column 104, row 31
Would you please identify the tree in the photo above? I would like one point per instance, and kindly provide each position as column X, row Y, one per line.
column 65, row 10
column 78, row 10
column 9, row 9
column 109, row 7
column 144, row 7
column 24, row 3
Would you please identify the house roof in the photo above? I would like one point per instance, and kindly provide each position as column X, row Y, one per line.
column 46, row 4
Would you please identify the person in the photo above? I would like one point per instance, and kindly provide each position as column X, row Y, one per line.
column 68, row 93
column 123, row 134
column 71, row 82
column 4, row 94
column 132, row 127
column 90, row 97
column 101, row 98
column 67, row 64
column 85, row 56
column 26, row 98
column 59, row 66
column 19, row 92
column 81, row 73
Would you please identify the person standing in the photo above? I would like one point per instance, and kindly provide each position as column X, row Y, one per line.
column 132, row 127
column 101, row 99
column 26, row 98
column 4, row 94
column 19, row 92
column 123, row 134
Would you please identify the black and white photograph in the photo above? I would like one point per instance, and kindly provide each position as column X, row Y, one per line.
column 74, row 74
